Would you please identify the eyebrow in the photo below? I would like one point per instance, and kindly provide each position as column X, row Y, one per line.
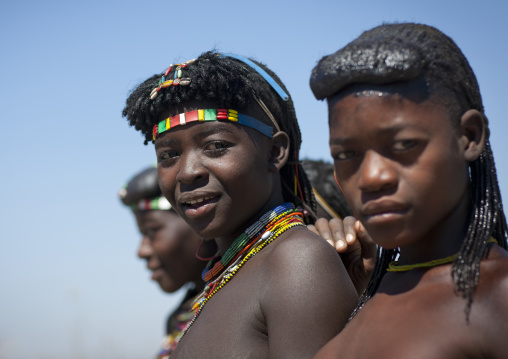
column 391, row 130
column 220, row 127
column 165, row 143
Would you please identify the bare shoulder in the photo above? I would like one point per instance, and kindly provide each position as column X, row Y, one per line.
column 307, row 295
column 489, row 310
column 493, row 285
column 302, row 256
column 303, row 245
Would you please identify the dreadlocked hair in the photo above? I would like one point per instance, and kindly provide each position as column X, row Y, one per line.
column 404, row 52
column 229, row 83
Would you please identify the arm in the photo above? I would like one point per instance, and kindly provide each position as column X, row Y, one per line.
column 309, row 296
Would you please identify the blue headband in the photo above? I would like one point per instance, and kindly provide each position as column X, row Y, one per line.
column 283, row 95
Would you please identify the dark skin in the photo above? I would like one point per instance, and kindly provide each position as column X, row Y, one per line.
column 169, row 246
column 403, row 167
column 279, row 304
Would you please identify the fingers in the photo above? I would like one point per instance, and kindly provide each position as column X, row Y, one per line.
column 338, row 234
column 349, row 229
column 369, row 247
column 342, row 234
column 322, row 229
column 312, row 228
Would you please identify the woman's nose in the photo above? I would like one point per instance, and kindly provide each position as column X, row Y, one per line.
column 376, row 173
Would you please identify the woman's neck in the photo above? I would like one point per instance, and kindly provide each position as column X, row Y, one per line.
column 225, row 242
column 443, row 240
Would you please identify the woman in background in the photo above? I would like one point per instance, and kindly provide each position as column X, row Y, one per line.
column 170, row 248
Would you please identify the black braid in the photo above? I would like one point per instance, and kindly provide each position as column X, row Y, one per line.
column 229, row 83
column 383, row 259
column 392, row 53
column 487, row 219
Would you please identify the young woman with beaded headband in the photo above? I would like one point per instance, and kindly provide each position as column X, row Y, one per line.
column 409, row 138
column 227, row 142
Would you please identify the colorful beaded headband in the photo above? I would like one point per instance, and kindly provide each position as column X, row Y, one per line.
column 211, row 115
column 224, row 114
column 160, row 203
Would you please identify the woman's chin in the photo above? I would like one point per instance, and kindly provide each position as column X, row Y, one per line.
column 168, row 286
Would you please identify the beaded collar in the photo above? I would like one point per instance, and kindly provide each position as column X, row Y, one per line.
column 215, row 267
column 263, row 232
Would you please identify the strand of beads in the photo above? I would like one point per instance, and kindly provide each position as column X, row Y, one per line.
column 285, row 221
column 291, row 216
column 213, row 269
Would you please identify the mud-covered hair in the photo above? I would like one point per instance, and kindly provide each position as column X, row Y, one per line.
column 405, row 52
column 230, row 83
column 322, row 178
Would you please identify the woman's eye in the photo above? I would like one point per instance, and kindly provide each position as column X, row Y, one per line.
column 404, row 145
column 217, row 146
column 344, row 155
column 167, row 155
column 150, row 234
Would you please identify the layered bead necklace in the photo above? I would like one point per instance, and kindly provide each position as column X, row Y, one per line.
column 219, row 272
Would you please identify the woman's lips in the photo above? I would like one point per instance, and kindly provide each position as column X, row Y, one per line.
column 157, row 273
column 383, row 211
column 197, row 206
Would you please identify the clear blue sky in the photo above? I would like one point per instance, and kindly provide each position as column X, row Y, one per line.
column 70, row 284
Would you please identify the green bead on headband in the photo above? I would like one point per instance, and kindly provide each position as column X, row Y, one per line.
column 211, row 115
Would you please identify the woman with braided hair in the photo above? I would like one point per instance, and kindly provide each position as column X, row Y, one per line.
column 410, row 143
column 227, row 142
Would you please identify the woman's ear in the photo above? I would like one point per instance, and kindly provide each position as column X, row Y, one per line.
column 472, row 126
column 279, row 153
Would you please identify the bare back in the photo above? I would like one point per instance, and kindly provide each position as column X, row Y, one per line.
column 286, row 302
column 426, row 320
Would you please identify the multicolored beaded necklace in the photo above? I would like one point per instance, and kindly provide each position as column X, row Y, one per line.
column 271, row 225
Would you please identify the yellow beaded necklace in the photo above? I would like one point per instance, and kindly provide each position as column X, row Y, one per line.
column 395, row 267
